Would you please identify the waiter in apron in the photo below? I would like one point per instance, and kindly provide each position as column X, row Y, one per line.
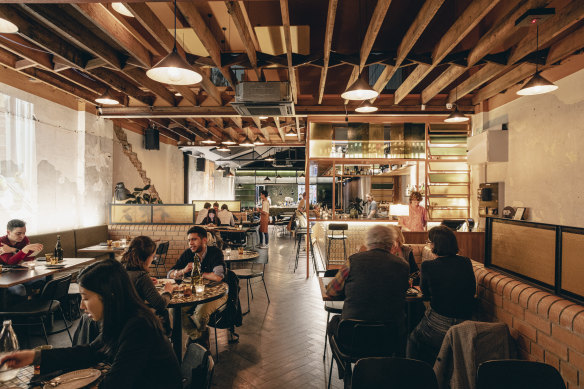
column 264, row 219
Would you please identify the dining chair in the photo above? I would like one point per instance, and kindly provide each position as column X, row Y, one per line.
column 257, row 270
column 518, row 374
column 160, row 258
column 197, row 367
column 393, row 373
column 35, row 312
column 358, row 339
column 337, row 233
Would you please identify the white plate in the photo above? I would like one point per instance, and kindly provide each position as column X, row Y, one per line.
column 57, row 266
column 73, row 379
column 162, row 281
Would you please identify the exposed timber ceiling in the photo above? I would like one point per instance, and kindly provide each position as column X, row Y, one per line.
column 415, row 52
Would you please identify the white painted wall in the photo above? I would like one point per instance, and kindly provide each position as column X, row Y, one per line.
column 210, row 184
column 164, row 167
column 67, row 170
column 545, row 171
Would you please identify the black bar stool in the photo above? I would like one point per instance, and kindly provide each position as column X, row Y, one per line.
column 337, row 227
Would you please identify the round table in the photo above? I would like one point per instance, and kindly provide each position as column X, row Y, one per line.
column 247, row 255
column 211, row 293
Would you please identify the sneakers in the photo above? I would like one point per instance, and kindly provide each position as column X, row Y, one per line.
column 262, row 246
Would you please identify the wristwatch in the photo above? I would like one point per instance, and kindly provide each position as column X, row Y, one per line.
column 17, row 250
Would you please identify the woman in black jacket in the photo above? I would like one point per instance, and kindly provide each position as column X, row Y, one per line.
column 137, row 259
column 132, row 340
column 449, row 283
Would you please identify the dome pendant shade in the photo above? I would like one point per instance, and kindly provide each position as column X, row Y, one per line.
column 366, row 107
column 258, row 141
column 537, row 85
column 359, row 90
column 247, row 142
column 456, row 117
column 290, row 133
column 107, row 99
column 7, row 27
column 267, row 179
column 174, row 70
column 229, row 141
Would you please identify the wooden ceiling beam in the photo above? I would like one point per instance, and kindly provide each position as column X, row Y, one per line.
column 237, row 120
column 279, row 128
column 373, row 30
column 445, row 79
column 176, row 129
column 56, row 17
column 156, row 28
column 27, row 50
column 285, row 11
column 485, row 74
column 119, row 83
column 423, row 18
column 43, row 37
column 262, row 129
column 185, row 124
column 58, row 82
column 513, row 74
column 140, row 77
column 328, row 40
column 106, row 22
column 468, row 20
column 198, row 24
column 235, row 10
column 298, row 128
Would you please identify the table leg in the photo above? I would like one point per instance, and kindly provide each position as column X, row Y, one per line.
column 112, row 256
column 176, row 335
column 4, row 299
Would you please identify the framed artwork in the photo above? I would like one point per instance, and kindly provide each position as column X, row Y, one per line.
column 519, row 213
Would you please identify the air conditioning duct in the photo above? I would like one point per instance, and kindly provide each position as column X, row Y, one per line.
column 271, row 98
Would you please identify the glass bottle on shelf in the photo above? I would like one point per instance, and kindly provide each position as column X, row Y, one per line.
column 8, row 344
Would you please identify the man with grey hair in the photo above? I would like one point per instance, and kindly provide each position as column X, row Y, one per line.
column 373, row 282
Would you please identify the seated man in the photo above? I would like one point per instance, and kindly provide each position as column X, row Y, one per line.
column 212, row 268
column 16, row 248
column 225, row 216
column 374, row 283
column 203, row 213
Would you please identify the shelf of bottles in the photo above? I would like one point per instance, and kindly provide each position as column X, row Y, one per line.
column 357, row 170
column 447, row 172
column 398, row 149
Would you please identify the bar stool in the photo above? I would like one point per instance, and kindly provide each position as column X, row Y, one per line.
column 337, row 227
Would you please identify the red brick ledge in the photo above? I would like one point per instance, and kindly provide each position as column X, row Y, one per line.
column 547, row 328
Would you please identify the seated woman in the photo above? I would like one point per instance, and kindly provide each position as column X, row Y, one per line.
column 211, row 218
column 137, row 259
column 405, row 252
column 449, row 283
column 131, row 340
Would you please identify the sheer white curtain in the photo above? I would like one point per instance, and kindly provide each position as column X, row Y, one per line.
column 18, row 167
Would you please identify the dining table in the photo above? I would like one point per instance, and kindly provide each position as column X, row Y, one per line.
column 213, row 291
column 26, row 379
column 22, row 274
column 104, row 249
column 234, row 256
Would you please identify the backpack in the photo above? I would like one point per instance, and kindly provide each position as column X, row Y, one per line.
column 231, row 315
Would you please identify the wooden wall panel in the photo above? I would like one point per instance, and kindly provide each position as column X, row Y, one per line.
column 572, row 264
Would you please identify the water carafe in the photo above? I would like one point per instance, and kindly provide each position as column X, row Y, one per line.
column 8, row 344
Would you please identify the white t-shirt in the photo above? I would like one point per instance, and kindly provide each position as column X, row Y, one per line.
column 226, row 217
column 266, row 206
column 201, row 215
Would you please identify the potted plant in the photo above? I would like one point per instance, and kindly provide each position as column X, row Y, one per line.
column 141, row 196
column 355, row 208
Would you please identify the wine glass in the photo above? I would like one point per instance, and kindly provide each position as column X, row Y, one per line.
column 178, row 278
column 228, row 252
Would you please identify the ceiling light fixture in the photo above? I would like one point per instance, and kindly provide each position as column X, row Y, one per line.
column 220, row 168
column 223, row 148
column 174, row 69
column 231, row 174
column 258, row 141
column 302, row 175
column 360, row 90
column 229, row 141
column 239, row 186
column 247, row 142
column 537, row 85
column 7, row 27
column 278, row 176
column 456, row 116
column 107, row 98
column 267, row 179
column 290, row 132
column 121, row 9
column 263, row 117
column 270, row 159
column 366, row 107
column 209, row 140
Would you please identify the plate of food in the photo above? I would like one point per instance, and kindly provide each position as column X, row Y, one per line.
column 74, row 380
column 57, row 266
column 162, row 281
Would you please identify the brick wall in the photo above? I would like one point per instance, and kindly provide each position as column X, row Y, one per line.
column 174, row 233
column 547, row 328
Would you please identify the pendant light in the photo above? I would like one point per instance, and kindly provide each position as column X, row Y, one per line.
column 247, row 142
column 229, row 141
column 537, row 85
column 223, row 148
column 456, row 116
column 366, row 107
column 173, row 69
column 7, row 27
column 258, row 141
column 209, row 140
column 360, row 90
column 121, row 9
column 290, row 132
column 220, row 168
column 239, row 186
column 267, row 179
column 302, row 175
column 107, row 98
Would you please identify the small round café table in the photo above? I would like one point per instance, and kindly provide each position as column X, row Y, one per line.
column 234, row 256
column 213, row 291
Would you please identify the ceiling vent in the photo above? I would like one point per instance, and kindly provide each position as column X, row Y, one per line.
column 270, row 98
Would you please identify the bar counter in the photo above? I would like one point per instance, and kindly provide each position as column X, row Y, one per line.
column 471, row 244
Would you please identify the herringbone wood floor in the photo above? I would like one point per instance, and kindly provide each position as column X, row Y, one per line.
column 281, row 343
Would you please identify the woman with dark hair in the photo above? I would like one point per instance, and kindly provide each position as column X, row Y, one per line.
column 137, row 259
column 211, row 218
column 131, row 339
column 449, row 283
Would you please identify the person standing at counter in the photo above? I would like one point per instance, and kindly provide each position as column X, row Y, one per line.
column 302, row 203
column 264, row 219
column 418, row 218
column 370, row 207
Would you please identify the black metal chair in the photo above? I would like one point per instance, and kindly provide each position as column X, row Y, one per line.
column 357, row 339
column 254, row 271
column 334, row 236
column 197, row 367
column 35, row 312
column 160, row 258
column 335, row 307
column 393, row 373
column 518, row 374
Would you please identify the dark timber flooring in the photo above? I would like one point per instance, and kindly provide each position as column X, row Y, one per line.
column 280, row 343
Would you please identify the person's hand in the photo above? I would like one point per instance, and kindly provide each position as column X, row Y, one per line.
column 189, row 268
column 33, row 247
column 4, row 248
column 18, row 359
column 168, row 287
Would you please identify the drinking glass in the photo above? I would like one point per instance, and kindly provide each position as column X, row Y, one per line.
column 178, row 278
column 200, row 288
column 109, row 243
column 240, row 250
column 49, row 258
column 228, row 252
